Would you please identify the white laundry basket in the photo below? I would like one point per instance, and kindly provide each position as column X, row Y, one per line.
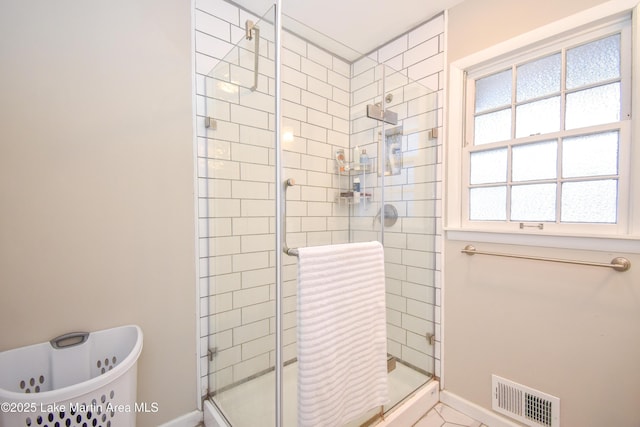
column 79, row 379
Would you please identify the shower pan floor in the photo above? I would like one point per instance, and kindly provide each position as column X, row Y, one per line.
column 252, row 403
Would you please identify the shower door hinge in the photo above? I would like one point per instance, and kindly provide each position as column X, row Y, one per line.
column 211, row 353
column 210, row 123
column 431, row 338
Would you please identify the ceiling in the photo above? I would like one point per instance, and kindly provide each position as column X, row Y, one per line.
column 351, row 28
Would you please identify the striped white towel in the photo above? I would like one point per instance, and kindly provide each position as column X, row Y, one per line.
column 342, row 348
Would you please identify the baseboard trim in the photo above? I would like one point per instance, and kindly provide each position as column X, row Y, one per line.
column 192, row 419
column 476, row 412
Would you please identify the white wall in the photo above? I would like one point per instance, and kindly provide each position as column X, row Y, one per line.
column 571, row 331
column 96, row 187
column 476, row 25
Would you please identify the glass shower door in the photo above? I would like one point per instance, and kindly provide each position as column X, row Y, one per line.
column 409, row 175
column 236, row 170
column 402, row 213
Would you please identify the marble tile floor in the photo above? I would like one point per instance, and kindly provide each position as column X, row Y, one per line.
column 442, row 415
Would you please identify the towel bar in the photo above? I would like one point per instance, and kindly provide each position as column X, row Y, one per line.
column 618, row 263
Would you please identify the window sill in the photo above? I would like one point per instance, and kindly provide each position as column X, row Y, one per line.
column 625, row 244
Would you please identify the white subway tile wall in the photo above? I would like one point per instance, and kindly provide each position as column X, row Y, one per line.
column 324, row 99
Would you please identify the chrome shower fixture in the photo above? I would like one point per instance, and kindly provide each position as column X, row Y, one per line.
column 375, row 111
column 390, row 214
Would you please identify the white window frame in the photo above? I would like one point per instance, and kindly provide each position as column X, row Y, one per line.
column 583, row 26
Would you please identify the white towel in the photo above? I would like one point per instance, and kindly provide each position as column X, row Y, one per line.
column 342, row 348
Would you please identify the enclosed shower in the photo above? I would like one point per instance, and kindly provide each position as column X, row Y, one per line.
column 357, row 159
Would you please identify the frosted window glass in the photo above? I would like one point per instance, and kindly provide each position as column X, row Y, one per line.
column 538, row 117
column 539, row 78
column 488, row 203
column 493, row 127
column 590, row 201
column 489, row 166
column 536, row 202
column 534, row 161
column 593, row 106
column 493, row 91
column 590, row 155
column 593, row 62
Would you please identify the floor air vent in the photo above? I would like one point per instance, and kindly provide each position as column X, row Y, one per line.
column 524, row 404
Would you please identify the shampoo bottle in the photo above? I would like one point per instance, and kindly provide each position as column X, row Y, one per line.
column 364, row 159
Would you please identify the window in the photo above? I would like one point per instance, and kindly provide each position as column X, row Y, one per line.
column 547, row 136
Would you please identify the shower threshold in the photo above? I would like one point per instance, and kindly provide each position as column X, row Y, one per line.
column 251, row 403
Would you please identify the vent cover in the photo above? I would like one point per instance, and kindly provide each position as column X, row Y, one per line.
column 524, row 404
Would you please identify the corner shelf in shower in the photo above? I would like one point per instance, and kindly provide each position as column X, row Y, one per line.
column 351, row 170
column 347, row 197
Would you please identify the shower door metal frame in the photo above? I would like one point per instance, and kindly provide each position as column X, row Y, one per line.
column 279, row 220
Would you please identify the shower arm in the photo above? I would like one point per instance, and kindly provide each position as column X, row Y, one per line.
column 252, row 31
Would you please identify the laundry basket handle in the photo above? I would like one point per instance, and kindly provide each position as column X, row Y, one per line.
column 69, row 340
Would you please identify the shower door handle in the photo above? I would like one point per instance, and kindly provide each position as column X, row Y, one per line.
column 285, row 248
column 253, row 32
